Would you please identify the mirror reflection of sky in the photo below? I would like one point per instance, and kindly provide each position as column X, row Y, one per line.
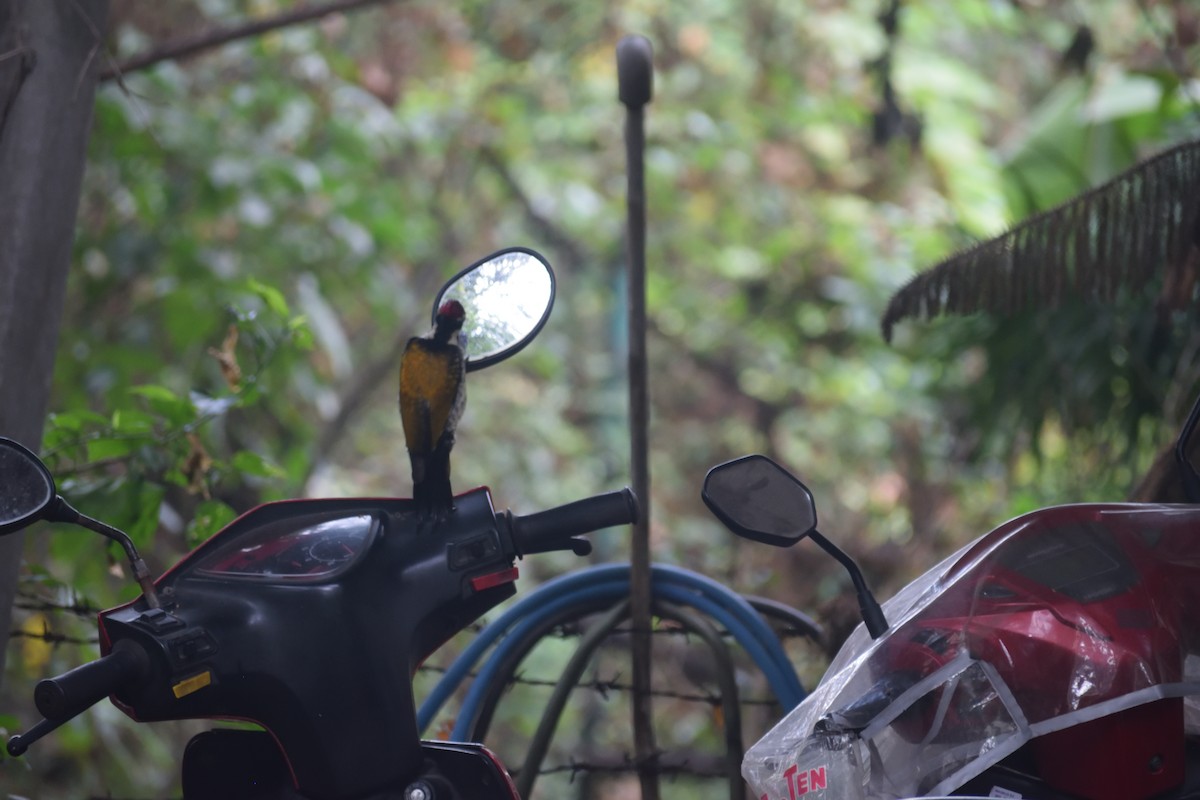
column 504, row 299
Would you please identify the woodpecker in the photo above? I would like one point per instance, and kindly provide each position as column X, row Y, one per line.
column 433, row 392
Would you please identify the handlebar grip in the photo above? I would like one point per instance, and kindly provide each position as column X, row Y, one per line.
column 552, row 529
column 59, row 699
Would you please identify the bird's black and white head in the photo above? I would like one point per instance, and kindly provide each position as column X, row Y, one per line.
column 449, row 320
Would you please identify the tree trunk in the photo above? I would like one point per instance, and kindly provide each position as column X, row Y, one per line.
column 49, row 52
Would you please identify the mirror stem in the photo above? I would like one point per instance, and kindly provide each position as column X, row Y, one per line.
column 62, row 511
column 1187, row 472
column 868, row 606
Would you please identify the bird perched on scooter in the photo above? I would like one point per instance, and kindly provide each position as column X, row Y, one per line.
column 432, row 397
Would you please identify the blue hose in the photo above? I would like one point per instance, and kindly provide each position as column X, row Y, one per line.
column 608, row 583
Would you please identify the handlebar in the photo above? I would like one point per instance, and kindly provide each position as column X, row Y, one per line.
column 555, row 528
column 73, row 692
column 70, row 694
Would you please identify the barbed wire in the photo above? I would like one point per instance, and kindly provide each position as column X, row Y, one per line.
column 50, row 637
column 667, row 765
column 79, row 608
column 689, row 764
column 601, row 686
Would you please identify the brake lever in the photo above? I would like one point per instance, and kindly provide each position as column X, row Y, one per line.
column 17, row 745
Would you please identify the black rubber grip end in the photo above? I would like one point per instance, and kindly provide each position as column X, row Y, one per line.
column 69, row 694
column 635, row 70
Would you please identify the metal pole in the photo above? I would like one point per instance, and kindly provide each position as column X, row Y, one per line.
column 635, row 79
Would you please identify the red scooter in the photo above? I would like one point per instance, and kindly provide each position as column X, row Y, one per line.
column 309, row 617
column 1056, row 657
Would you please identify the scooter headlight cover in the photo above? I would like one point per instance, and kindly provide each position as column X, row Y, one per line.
column 307, row 549
column 1055, row 625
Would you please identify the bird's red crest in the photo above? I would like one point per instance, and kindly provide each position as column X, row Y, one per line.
column 452, row 309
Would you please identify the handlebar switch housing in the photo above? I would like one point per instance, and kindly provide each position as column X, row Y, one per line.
column 158, row 621
column 477, row 550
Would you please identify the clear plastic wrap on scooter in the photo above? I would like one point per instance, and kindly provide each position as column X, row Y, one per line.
column 1073, row 629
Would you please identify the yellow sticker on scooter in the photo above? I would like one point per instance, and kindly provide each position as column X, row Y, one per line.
column 192, row 684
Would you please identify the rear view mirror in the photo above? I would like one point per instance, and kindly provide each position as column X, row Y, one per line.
column 758, row 499
column 26, row 487
column 507, row 297
column 28, row 494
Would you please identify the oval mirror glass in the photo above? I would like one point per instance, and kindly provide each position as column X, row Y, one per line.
column 26, row 487
column 507, row 297
column 760, row 500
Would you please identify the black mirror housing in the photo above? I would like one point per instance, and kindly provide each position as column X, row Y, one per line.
column 758, row 499
column 28, row 487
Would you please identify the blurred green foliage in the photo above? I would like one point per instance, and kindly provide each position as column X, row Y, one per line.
column 265, row 224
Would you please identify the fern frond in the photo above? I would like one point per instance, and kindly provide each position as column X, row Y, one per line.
column 1122, row 234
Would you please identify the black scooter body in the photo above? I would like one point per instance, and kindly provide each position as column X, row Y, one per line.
column 292, row 617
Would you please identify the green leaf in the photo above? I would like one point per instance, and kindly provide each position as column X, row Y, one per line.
column 76, row 420
column 1120, row 96
column 154, row 393
column 131, row 421
column 147, row 498
column 10, row 725
column 211, row 516
column 66, row 433
column 271, row 296
column 301, row 333
column 103, row 449
column 178, row 411
column 251, row 463
column 175, row 476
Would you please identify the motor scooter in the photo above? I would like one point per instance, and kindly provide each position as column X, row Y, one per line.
column 309, row 617
column 1055, row 657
